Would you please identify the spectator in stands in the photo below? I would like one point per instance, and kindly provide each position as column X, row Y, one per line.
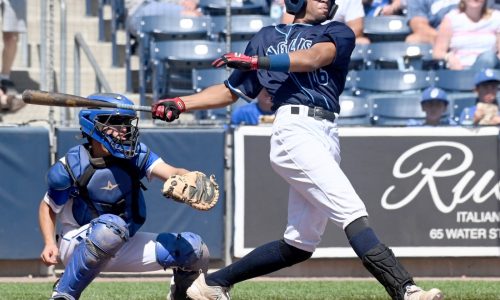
column 255, row 112
column 136, row 9
column 13, row 23
column 350, row 12
column 434, row 103
column 485, row 112
column 425, row 16
column 374, row 8
column 469, row 38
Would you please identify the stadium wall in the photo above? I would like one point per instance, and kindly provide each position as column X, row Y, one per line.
column 25, row 153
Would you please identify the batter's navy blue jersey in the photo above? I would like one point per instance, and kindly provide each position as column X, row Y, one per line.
column 318, row 88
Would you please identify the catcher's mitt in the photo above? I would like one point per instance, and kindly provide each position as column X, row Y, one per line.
column 193, row 188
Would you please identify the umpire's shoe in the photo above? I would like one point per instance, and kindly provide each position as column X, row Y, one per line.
column 199, row 290
column 414, row 292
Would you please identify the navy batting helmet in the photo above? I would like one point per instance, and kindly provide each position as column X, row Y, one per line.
column 293, row 7
column 115, row 128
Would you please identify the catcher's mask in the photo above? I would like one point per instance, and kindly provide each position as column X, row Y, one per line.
column 115, row 128
column 294, row 7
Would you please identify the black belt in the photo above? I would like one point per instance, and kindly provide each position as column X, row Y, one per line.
column 315, row 112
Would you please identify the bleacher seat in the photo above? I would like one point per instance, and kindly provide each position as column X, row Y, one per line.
column 354, row 111
column 238, row 7
column 386, row 28
column 455, row 81
column 398, row 55
column 396, row 110
column 390, row 81
column 350, row 83
column 160, row 28
column 203, row 78
column 460, row 101
column 358, row 57
column 239, row 46
column 243, row 27
column 173, row 62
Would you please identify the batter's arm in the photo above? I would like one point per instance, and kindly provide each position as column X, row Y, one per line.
column 308, row 60
column 212, row 97
column 47, row 222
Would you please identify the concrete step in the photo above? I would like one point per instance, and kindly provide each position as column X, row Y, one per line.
column 31, row 79
column 100, row 51
column 73, row 8
column 88, row 27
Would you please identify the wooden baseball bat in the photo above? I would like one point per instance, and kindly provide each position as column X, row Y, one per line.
column 60, row 99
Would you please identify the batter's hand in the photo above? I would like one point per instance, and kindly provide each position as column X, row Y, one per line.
column 50, row 255
column 168, row 109
column 237, row 61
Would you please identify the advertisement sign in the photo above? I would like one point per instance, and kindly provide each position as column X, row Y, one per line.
column 428, row 191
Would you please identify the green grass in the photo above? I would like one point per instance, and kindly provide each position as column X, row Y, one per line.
column 275, row 290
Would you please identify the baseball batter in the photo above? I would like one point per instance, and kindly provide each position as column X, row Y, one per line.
column 95, row 191
column 303, row 66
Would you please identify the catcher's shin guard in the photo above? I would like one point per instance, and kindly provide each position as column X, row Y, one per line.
column 382, row 263
column 105, row 236
column 185, row 250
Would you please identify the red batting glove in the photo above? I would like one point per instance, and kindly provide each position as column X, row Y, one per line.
column 237, row 61
column 168, row 109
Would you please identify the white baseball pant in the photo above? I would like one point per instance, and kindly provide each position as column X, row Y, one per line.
column 306, row 153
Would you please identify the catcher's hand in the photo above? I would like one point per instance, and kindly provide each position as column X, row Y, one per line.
column 193, row 188
column 237, row 61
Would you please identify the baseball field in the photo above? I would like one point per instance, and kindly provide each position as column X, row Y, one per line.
column 353, row 289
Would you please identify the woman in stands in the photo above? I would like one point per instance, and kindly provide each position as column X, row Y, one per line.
column 469, row 37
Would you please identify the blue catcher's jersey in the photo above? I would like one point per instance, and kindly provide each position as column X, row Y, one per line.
column 319, row 88
column 110, row 188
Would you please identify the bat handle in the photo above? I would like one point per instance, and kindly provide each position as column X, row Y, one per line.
column 134, row 107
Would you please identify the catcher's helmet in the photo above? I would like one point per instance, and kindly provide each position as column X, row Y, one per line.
column 294, row 7
column 115, row 128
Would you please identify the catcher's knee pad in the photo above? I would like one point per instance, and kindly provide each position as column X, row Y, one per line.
column 108, row 233
column 105, row 237
column 292, row 255
column 382, row 263
column 185, row 250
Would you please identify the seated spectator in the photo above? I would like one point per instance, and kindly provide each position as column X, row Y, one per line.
column 350, row 12
column 374, row 8
column 136, row 9
column 425, row 16
column 485, row 112
column 468, row 37
column 256, row 112
column 434, row 103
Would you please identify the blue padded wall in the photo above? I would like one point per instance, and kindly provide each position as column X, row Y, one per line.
column 25, row 158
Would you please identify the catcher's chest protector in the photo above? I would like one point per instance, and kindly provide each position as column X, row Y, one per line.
column 105, row 186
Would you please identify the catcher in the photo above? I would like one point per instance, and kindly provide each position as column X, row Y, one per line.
column 95, row 191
